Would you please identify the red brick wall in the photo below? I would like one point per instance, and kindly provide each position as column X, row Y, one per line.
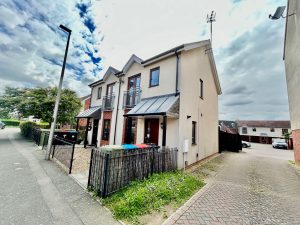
column 87, row 103
column 296, row 143
column 106, row 116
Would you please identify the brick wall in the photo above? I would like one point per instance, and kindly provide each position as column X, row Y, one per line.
column 87, row 103
column 296, row 143
column 106, row 115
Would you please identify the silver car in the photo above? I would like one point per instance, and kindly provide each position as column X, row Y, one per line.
column 246, row 144
column 280, row 144
column 2, row 125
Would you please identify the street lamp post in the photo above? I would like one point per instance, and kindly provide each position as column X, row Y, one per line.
column 54, row 119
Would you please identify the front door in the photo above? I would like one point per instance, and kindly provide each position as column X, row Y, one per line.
column 151, row 131
column 95, row 132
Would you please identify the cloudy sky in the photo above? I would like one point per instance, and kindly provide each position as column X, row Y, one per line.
column 247, row 45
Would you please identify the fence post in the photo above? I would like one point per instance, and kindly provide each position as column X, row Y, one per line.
column 106, row 172
column 53, row 146
column 71, row 163
column 90, row 169
column 152, row 161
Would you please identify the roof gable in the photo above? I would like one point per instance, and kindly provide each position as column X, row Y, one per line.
column 109, row 71
column 133, row 59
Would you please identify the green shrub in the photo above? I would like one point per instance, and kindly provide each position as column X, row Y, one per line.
column 11, row 122
column 26, row 128
column 43, row 125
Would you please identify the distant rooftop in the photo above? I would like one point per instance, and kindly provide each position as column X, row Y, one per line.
column 265, row 123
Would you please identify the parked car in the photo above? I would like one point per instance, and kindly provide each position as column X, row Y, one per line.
column 280, row 144
column 246, row 144
column 2, row 125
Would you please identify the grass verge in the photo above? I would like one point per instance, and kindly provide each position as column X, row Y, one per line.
column 143, row 197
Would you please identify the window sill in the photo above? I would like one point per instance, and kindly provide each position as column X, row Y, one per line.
column 153, row 86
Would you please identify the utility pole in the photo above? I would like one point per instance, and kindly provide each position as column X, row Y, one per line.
column 210, row 19
column 54, row 119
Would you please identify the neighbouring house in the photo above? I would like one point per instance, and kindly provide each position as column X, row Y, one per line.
column 170, row 100
column 263, row 131
column 32, row 119
column 292, row 67
column 85, row 104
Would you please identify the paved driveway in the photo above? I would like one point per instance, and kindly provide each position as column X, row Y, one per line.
column 34, row 191
column 256, row 186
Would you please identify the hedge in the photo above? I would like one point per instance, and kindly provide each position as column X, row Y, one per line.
column 27, row 127
column 10, row 122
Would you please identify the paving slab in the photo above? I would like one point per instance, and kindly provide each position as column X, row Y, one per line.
column 256, row 186
column 36, row 191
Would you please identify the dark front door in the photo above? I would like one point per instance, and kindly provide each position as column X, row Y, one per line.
column 151, row 131
column 95, row 132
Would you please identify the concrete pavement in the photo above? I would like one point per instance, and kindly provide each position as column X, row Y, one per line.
column 256, row 186
column 35, row 191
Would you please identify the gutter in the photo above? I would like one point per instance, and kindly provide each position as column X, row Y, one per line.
column 117, row 112
column 157, row 57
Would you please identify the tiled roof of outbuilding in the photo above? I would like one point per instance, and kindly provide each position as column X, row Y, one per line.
column 265, row 123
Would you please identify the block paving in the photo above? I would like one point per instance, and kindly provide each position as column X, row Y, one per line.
column 248, row 189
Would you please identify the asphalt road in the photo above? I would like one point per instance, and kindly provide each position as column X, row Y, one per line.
column 34, row 191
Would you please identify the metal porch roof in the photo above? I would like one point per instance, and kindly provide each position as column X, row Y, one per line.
column 159, row 105
column 93, row 112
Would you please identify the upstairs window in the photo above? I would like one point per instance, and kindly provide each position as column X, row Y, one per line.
column 110, row 89
column 254, row 129
column 194, row 128
column 99, row 92
column 201, row 89
column 285, row 131
column 272, row 129
column 154, row 77
column 244, row 130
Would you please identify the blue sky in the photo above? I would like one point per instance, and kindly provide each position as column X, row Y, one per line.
column 247, row 45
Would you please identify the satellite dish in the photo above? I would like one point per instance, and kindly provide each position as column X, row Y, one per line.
column 278, row 13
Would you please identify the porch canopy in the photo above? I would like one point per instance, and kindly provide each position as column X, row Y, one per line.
column 93, row 112
column 164, row 105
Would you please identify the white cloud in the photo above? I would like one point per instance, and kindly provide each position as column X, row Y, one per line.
column 145, row 28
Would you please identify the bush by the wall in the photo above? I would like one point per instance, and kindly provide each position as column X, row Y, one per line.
column 43, row 125
column 27, row 127
column 11, row 122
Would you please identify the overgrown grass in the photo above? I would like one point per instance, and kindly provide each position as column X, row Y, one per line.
column 142, row 197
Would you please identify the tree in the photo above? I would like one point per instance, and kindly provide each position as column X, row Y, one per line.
column 10, row 100
column 287, row 136
column 40, row 102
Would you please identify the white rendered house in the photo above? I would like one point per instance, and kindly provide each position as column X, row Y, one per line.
column 170, row 100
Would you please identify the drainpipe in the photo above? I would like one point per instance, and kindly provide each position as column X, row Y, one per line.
column 117, row 112
column 177, row 73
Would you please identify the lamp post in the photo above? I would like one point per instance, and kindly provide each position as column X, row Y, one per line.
column 54, row 118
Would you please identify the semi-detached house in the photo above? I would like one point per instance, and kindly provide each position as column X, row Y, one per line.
column 169, row 100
